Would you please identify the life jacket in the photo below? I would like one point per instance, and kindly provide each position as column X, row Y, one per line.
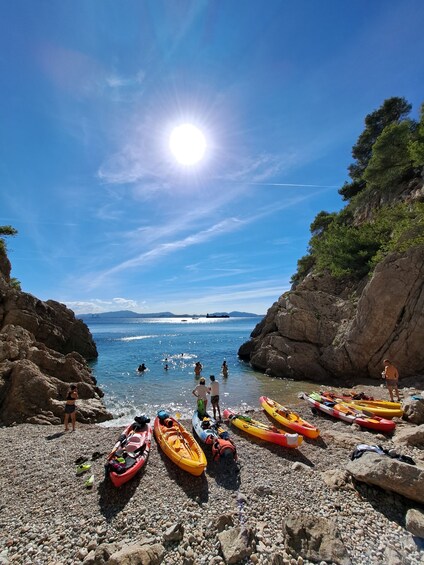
column 223, row 448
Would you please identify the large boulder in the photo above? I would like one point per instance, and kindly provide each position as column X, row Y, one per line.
column 236, row 544
column 413, row 409
column 324, row 329
column 50, row 322
column 389, row 474
column 411, row 435
column 43, row 349
column 34, row 381
column 316, row 539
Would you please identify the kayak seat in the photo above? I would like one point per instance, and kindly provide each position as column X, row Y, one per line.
column 134, row 443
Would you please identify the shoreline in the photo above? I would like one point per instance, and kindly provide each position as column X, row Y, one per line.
column 48, row 516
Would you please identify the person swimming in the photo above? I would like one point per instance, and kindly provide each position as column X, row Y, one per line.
column 141, row 368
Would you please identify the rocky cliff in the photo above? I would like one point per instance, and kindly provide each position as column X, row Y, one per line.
column 43, row 348
column 323, row 330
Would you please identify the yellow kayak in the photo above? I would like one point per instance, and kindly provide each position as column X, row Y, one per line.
column 382, row 408
column 288, row 418
column 178, row 444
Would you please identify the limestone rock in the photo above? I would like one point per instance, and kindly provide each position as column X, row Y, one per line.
column 135, row 554
column 43, row 349
column 415, row 522
column 322, row 329
column 413, row 410
column 389, row 474
column 224, row 520
column 411, row 436
column 335, row 478
column 174, row 532
column 315, row 539
column 34, row 380
column 101, row 554
column 236, row 544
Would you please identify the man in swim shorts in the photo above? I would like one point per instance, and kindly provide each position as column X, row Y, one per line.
column 214, row 391
column 391, row 374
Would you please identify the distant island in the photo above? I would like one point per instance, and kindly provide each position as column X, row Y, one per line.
column 130, row 314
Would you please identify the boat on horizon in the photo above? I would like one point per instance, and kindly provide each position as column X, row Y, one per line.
column 217, row 315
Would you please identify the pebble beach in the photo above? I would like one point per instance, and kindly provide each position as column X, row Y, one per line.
column 48, row 516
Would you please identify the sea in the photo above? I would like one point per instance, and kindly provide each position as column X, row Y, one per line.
column 125, row 343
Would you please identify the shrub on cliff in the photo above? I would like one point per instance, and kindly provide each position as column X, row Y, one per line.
column 389, row 152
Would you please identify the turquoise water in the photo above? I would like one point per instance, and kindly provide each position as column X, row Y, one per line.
column 124, row 343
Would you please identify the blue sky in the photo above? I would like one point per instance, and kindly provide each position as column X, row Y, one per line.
column 107, row 217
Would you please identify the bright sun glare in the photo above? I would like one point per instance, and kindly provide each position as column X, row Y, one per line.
column 188, row 144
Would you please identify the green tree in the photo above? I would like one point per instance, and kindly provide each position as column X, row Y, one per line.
column 392, row 111
column 391, row 161
column 416, row 145
column 321, row 222
column 6, row 231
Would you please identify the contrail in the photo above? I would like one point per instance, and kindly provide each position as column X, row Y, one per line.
column 293, row 184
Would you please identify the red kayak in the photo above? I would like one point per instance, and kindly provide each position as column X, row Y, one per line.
column 130, row 452
column 348, row 414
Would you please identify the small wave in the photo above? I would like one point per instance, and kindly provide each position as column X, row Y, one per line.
column 136, row 337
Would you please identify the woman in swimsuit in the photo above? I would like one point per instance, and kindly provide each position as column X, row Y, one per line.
column 70, row 406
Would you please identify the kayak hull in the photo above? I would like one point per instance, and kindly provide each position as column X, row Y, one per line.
column 142, row 438
column 263, row 431
column 180, row 446
column 348, row 414
column 288, row 419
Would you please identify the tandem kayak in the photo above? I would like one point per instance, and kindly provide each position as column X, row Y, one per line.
column 130, row 452
column 263, row 431
column 211, row 433
column 288, row 418
column 348, row 413
column 382, row 408
column 179, row 444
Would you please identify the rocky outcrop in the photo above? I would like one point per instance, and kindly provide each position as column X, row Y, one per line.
column 43, row 349
column 323, row 330
column 389, row 474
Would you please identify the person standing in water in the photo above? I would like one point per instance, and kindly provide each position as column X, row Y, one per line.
column 391, row 374
column 214, row 391
column 70, row 407
column 224, row 368
column 198, row 369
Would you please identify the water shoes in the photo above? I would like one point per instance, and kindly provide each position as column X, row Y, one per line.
column 83, row 468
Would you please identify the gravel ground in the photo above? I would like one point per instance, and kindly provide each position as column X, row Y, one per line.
column 48, row 516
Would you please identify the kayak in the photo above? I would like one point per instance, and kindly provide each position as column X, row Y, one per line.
column 130, row 452
column 263, row 431
column 382, row 408
column 211, row 433
column 179, row 444
column 288, row 418
column 348, row 413
column 207, row 428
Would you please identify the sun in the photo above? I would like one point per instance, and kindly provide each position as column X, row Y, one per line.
column 187, row 144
